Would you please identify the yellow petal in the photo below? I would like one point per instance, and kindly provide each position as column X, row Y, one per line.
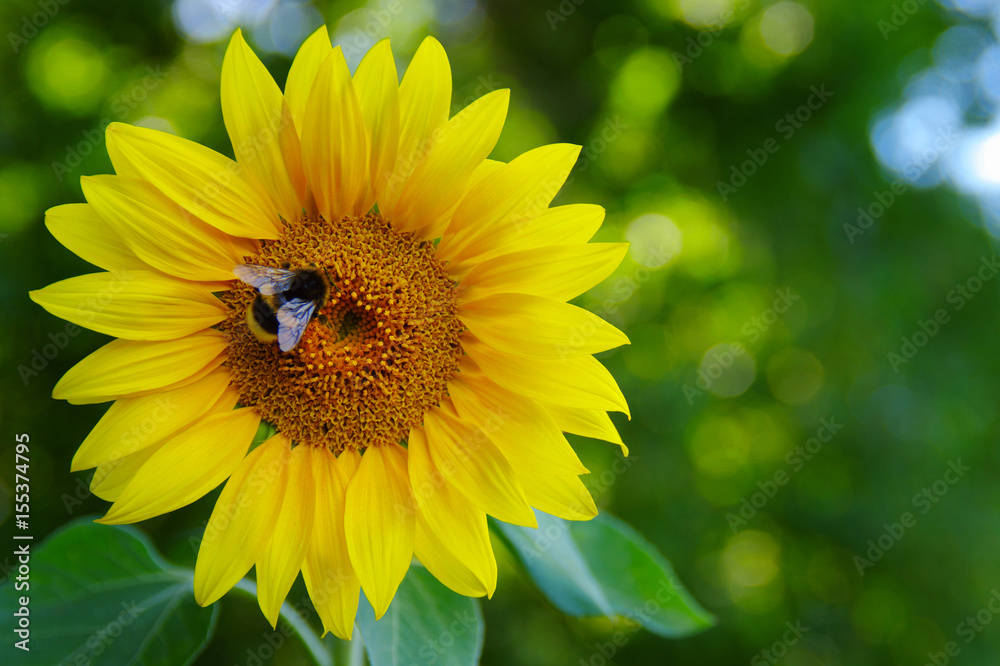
column 453, row 153
column 298, row 87
column 522, row 430
column 330, row 579
column 209, row 368
column 243, row 520
column 260, row 125
column 135, row 305
column 586, row 422
column 111, row 478
column 546, row 466
column 132, row 424
column 562, row 495
column 125, row 367
column 435, row 555
column 280, row 562
column 563, row 225
column 201, row 181
column 159, row 231
column 188, row 465
column 302, row 74
column 485, row 169
column 377, row 85
column 378, row 523
column 424, row 95
column 538, row 327
column 334, row 146
column 474, row 465
column 510, row 197
column 573, row 382
column 452, row 537
column 84, row 233
column 291, row 149
column 437, row 227
column 424, row 103
column 561, row 272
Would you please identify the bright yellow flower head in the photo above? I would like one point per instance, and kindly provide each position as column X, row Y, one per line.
column 434, row 376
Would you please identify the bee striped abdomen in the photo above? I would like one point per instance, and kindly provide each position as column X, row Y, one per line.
column 263, row 320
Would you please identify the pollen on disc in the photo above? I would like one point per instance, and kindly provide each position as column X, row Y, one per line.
column 377, row 355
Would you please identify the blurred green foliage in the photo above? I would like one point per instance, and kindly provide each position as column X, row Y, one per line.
column 660, row 132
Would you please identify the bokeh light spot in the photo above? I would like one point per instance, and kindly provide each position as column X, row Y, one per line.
column 794, row 375
column 707, row 246
column 655, row 240
column 646, row 83
column 986, row 159
column 290, row 24
column 359, row 30
column 214, row 20
column 706, row 13
column 68, row 72
column 719, row 446
column 786, row 28
column 727, row 369
column 751, row 559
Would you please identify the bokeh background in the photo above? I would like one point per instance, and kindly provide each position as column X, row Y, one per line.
column 811, row 190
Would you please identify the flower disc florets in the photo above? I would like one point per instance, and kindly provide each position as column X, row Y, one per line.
column 378, row 353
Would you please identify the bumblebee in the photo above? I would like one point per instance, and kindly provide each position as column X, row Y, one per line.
column 287, row 299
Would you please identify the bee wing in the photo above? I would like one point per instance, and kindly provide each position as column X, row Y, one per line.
column 267, row 280
column 293, row 317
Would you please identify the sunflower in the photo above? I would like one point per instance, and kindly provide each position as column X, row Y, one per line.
column 431, row 385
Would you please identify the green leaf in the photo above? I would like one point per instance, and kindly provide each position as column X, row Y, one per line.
column 101, row 594
column 604, row 567
column 426, row 624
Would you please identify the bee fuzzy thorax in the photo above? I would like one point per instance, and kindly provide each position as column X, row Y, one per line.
column 376, row 348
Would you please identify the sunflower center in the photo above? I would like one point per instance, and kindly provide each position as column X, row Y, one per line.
column 375, row 356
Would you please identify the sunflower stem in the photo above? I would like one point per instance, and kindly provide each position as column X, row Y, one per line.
column 298, row 624
column 357, row 650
